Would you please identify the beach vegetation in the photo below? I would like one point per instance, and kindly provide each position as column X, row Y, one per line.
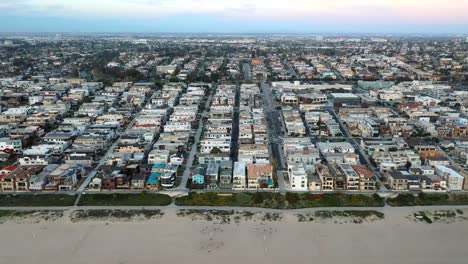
column 36, row 200
column 424, row 199
column 125, row 199
column 280, row 201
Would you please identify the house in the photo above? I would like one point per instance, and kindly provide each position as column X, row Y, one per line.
column 168, row 178
column 221, row 144
column 4, row 156
column 138, row 181
column 387, row 167
column 438, row 182
column 177, row 158
column 435, row 161
column 212, row 175
column 367, row 181
column 327, row 180
column 64, row 177
column 397, row 181
column 239, row 176
column 213, row 158
column 298, row 177
column 153, row 180
column 11, row 144
column 35, row 156
column 157, row 156
column 352, row 178
column 18, row 179
column 54, row 137
column 95, row 184
column 307, row 156
column 453, row 178
column 225, row 174
column 39, row 181
column 259, row 176
column 314, row 183
column 198, row 178
column 413, row 182
column 339, row 177
column 335, row 147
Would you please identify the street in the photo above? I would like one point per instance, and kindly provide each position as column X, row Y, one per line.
column 274, row 133
column 194, row 149
column 362, row 156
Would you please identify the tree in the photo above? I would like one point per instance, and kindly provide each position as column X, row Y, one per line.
column 408, row 165
column 274, row 163
column 215, row 151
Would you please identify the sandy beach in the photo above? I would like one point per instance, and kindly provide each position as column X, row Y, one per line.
column 180, row 239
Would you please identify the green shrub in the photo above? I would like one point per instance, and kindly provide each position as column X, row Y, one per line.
column 125, row 199
column 41, row 200
column 278, row 201
column 428, row 199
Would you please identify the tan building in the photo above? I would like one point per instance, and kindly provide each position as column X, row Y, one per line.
column 258, row 175
column 367, row 181
column 18, row 179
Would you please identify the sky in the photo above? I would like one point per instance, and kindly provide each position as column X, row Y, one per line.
column 236, row 16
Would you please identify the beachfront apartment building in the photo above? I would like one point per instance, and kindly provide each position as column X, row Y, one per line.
column 259, row 176
column 367, row 180
column 239, row 180
column 17, row 179
column 397, row 181
column 454, row 179
column 168, row 178
column 352, row 178
column 298, row 177
column 212, row 175
column 327, row 180
column 225, row 174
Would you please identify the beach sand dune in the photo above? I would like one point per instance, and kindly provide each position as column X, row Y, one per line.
column 175, row 239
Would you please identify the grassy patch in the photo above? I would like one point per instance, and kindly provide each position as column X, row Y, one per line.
column 350, row 213
column 438, row 216
column 428, row 199
column 228, row 216
column 115, row 214
column 42, row 200
column 35, row 215
column 271, row 217
column 305, row 218
column 219, row 216
column 125, row 199
column 279, row 201
column 349, row 216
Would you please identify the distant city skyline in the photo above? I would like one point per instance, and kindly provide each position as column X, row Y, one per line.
column 241, row 16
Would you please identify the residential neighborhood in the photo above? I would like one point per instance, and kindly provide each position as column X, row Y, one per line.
column 389, row 117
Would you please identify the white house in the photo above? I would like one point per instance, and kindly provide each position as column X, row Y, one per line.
column 298, row 177
column 239, row 176
column 453, row 178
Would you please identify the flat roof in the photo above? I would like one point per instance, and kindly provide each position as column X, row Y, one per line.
column 344, row 95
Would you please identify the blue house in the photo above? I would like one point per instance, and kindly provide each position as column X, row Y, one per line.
column 153, row 181
column 198, row 179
